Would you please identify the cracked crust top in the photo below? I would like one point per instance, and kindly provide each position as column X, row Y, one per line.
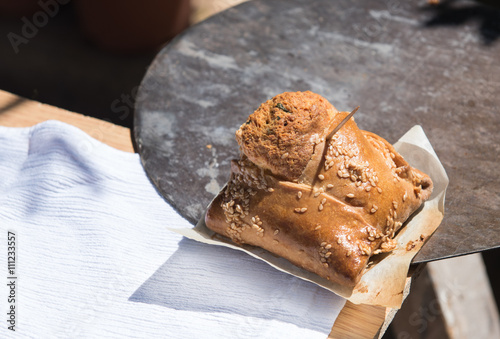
column 280, row 135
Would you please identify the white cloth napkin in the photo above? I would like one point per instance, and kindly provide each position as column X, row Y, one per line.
column 94, row 257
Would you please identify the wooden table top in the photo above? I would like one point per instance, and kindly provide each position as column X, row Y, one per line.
column 354, row 321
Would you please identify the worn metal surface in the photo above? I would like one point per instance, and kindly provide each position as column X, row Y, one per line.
column 403, row 62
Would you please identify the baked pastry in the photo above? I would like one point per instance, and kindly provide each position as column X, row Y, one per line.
column 324, row 204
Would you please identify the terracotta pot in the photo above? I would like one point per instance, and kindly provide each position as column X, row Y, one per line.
column 131, row 25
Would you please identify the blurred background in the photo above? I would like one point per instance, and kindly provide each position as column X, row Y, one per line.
column 89, row 56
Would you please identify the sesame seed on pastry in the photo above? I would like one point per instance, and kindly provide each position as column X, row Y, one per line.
column 326, row 205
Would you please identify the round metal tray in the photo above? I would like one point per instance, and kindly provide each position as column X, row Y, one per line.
column 404, row 64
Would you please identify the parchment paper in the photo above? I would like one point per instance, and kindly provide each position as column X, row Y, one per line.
column 384, row 280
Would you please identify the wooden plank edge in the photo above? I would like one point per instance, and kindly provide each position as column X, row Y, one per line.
column 368, row 321
column 16, row 111
column 358, row 321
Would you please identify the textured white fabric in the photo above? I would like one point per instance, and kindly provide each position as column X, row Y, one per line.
column 95, row 258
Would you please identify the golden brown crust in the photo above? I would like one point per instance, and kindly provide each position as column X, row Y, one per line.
column 327, row 215
column 272, row 219
column 277, row 136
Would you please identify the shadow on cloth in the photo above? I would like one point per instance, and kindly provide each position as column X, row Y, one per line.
column 206, row 278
